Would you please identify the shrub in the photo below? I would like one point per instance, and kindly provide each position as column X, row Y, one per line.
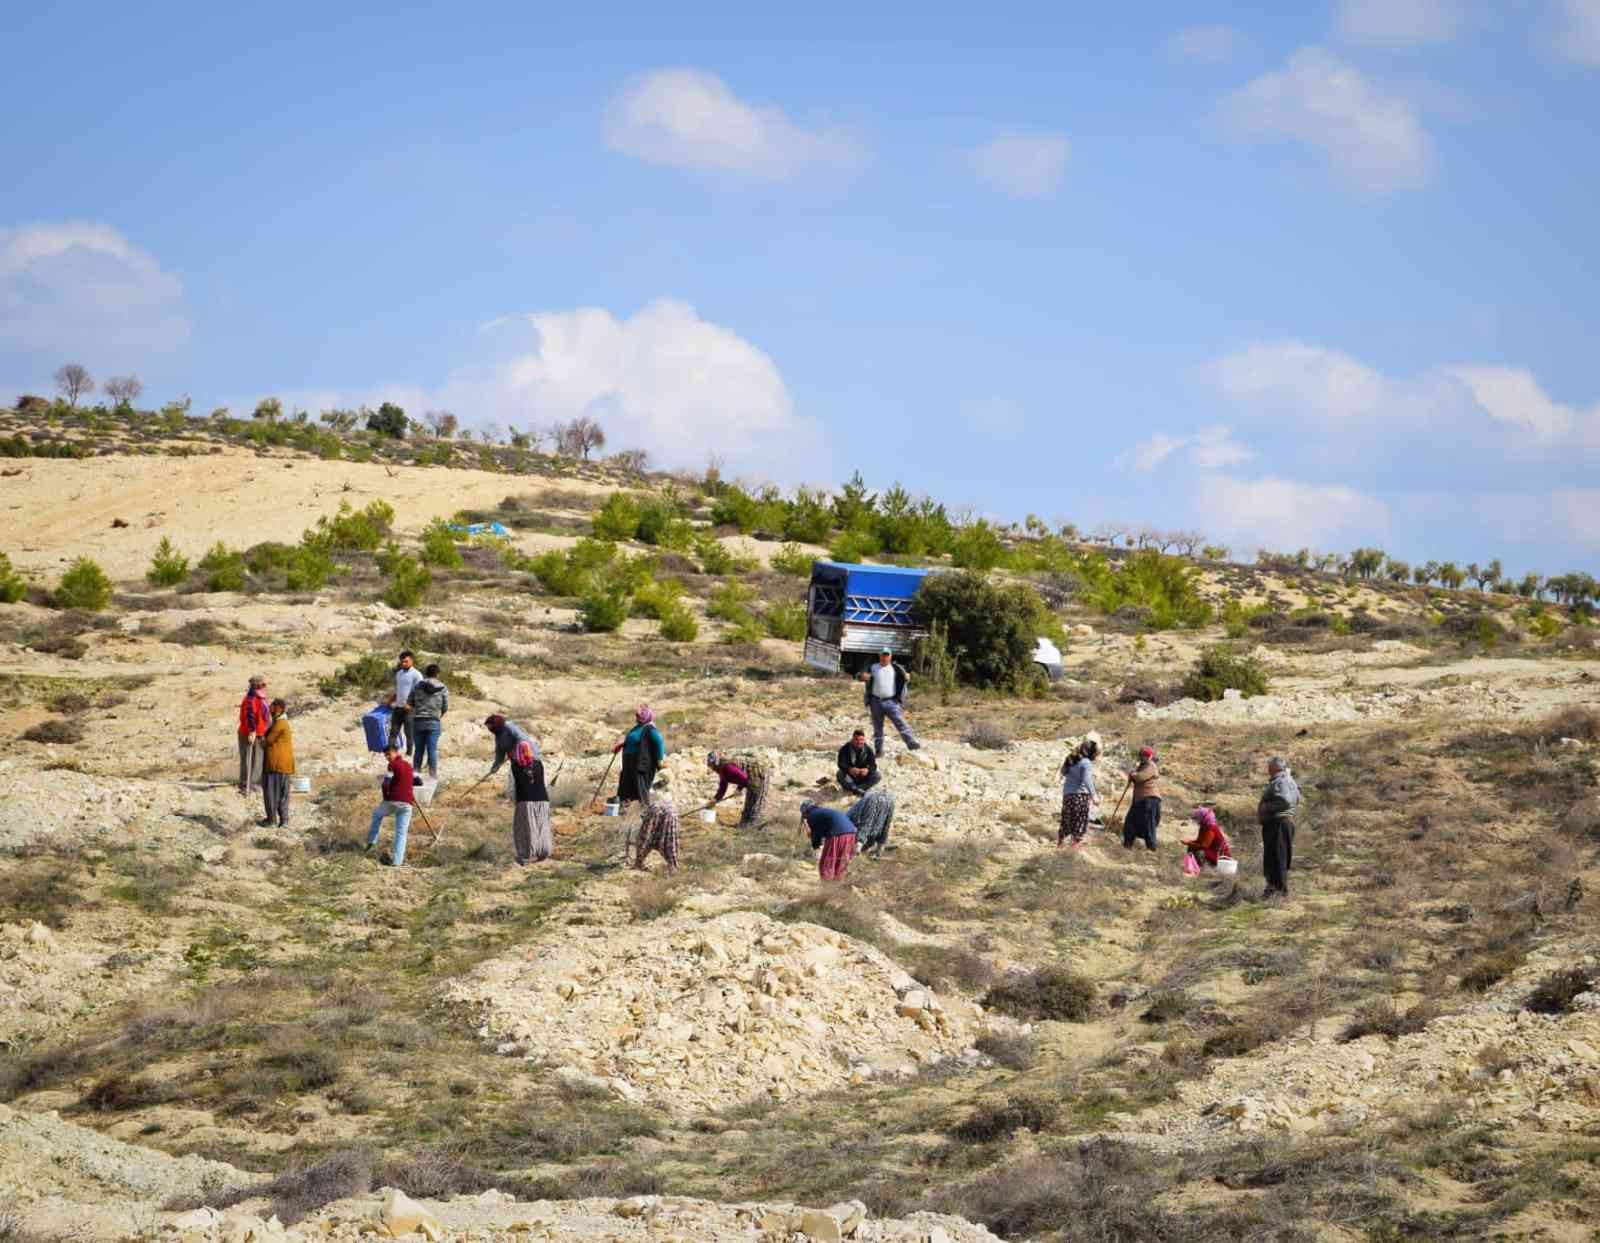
column 661, row 525
column 998, row 1119
column 618, row 518
column 744, row 632
column 735, row 508
column 388, row 420
column 1222, row 668
column 1012, row 1050
column 262, row 559
column 223, row 568
column 1048, row 993
column 808, row 518
column 368, row 673
column 990, row 628
column 439, row 546
column 83, row 586
column 603, row 610
column 787, row 621
column 12, row 585
column 351, row 530
column 1383, row 1018
column 987, row 735
column 408, row 579
column 657, row 598
column 679, row 626
column 1168, row 587
column 309, row 569
column 168, row 567
column 1554, row 993
column 1166, row 1006
column 714, row 558
column 853, row 546
column 729, row 603
column 977, row 546
column 1572, row 721
column 792, row 560
column 55, row 731
column 195, row 633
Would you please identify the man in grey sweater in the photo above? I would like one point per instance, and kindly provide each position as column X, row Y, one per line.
column 1279, row 804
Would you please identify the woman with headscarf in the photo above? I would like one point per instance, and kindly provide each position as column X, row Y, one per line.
column 750, row 775
column 530, row 823
column 1144, row 814
column 658, row 828
column 833, row 838
column 1077, row 792
column 644, row 753
column 1209, row 843
column 872, row 814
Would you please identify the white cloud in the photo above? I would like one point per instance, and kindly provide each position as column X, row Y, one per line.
column 1023, row 165
column 1291, row 376
column 1210, row 44
column 1512, row 395
column 1374, row 141
column 1576, row 33
column 1211, row 448
column 1398, row 23
column 691, row 119
column 83, row 289
column 1286, row 513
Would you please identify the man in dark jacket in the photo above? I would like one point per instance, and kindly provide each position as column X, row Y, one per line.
column 858, row 766
column 1280, row 802
column 430, row 700
column 885, row 696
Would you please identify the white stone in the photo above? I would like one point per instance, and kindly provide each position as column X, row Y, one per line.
column 821, row 1227
column 402, row 1215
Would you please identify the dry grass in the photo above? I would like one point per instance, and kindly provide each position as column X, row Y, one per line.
column 1049, row 993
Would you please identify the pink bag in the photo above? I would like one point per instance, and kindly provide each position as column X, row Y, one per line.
column 1191, row 865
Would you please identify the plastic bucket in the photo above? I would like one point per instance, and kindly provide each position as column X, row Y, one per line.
column 611, row 810
column 300, row 785
column 707, row 816
column 1227, row 867
column 422, row 792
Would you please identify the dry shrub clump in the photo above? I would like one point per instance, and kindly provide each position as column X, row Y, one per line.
column 994, row 1120
column 1554, row 993
column 57, row 731
column 1383, row 1018
column 1572, row 721
column 987, row 735
column 1049, row 993
column 1012, row 1050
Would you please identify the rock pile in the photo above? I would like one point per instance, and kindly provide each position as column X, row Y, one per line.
column 702, row 1014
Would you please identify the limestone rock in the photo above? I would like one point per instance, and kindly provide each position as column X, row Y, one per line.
column 820, row 1226
column 403, row 1215
column 40, row 938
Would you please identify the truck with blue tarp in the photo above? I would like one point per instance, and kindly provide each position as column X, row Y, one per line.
column 855, row 611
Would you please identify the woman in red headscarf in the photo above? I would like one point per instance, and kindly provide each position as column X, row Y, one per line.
column 530, row 822
column 1144, row 815
column 1210, row 843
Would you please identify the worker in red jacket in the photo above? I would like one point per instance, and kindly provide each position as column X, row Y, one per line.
column 255, row 715
column 398, row 797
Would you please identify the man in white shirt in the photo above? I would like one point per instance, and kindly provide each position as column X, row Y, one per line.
column 406, row 677
column 885, row 695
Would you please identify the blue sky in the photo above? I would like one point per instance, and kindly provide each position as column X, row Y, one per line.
column 1321, row 274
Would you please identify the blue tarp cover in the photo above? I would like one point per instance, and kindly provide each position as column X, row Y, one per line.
column 480, row 528
column 877, row 594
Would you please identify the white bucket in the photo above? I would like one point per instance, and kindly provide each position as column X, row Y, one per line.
column 611, row 810
column 1227, row 867
column 422, row 792
column 300, row 785
column 707, row 816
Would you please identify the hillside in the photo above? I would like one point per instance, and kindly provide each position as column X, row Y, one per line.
column 209, row 1022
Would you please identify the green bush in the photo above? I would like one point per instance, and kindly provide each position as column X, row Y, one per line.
column 388, row 420
column 746, row 630
column 658, row 598
column 603, row 610
column 792, row 560
column 977, row 546
column 1167, row 586
column 991, row 629
column 679, row 626
column 735, row 508
column 1048, row 993
column 853, row 546
column 618, row 518
column 730, row 603
column 1223, row 668
column 263, row 559
column 12, row 585
column 661, row 525
column 808, row 518
column 408, row 578
column 787, row 621
column 83, row 586
column 352, row 530
column 714, row 558
column 168, row 567
column 222, row 568
column 439, row 546
column 309, row 569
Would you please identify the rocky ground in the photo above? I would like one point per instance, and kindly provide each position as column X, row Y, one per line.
column 215, row 1030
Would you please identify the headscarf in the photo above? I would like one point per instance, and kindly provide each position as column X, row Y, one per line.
column 495, row 722
column 522, row 756
column 644, row 715
column 806, row 808
column 1277, row 764
column 712, row 758
column 1147, row 753
column 1204, row 817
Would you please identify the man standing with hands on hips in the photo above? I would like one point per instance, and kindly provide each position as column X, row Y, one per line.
column 885, row 697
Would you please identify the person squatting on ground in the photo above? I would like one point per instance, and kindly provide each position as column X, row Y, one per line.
column 1144, row 813
column 406, row 677
column 398, row 796
column 885, row 696
column 430, row 700
column 872, row 814
column 658, row 829
column 531, row 840
column 1077, row 792
column 749, row 775
column 1209, row 843
column 858, row 765
column 254, row 718
column 833, row 834
column 644, row 753
column 1276, row 811
column 278, row 744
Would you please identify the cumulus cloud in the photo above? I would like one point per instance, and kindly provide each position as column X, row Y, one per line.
column 1209, row 44
column 1512, row 395
column 1399, row 23
column 83, row 289
column 1211, row 448
column 1023, row 165
column 1576, row 31
column 1373, row 140
column 1286, row 513
column 692, row 119
column 1294, row 377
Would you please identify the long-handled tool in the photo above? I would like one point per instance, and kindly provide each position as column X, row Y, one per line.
column 557, row 777
column 601, row 783
column 1111, row 820
column 421, row 811
column 471, row 787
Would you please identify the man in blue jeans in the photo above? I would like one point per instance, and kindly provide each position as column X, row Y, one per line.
column 430, row 700
column 885, row 696
column 397, row 801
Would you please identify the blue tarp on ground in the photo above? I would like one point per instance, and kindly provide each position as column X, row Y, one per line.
column 480, row 528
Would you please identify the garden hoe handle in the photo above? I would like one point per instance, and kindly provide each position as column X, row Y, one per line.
column 1120, row 797
column 597, row 785
column 472, row 787
column 557, row 777
column 423, row 813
